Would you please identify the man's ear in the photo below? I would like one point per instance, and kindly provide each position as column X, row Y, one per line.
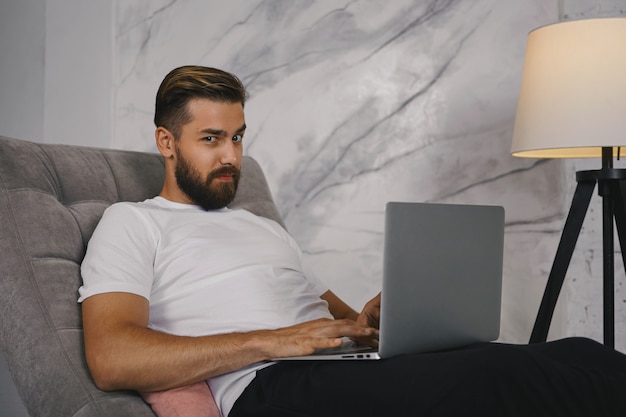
column 164, row 141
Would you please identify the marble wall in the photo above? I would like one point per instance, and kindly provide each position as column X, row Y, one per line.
column 357, row 103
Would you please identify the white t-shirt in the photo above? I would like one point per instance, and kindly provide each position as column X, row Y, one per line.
column 203, row 273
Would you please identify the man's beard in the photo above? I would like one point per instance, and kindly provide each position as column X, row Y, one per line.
column 202, row 193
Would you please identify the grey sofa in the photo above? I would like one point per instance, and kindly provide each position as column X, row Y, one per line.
column 51, row 198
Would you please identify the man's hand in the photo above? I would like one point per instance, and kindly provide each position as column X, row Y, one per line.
column 370, row 317
column 305, row 338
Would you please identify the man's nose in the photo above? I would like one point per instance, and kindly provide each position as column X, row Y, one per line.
column 229, row 154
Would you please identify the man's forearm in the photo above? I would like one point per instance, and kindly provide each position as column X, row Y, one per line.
column 338, row 308
column 146, row 360
column 123, row 353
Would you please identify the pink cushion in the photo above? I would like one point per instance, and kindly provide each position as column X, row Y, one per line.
column 190, row 401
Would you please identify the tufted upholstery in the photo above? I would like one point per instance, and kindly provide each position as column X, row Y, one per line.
column 51, row 198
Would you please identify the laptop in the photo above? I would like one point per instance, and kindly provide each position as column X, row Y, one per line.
column 442, row 281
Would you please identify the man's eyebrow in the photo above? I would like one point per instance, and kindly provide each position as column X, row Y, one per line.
column 220, row 132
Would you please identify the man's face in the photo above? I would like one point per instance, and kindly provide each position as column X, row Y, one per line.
column 208, row 153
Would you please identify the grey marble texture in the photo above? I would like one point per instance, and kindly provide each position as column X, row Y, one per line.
column 357, row 103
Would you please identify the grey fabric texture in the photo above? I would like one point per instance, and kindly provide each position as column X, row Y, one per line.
column 51, row 199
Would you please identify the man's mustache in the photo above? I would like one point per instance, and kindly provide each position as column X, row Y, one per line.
column 226, row 170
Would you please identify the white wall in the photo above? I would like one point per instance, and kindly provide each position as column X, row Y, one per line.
column 55, row 71
column 77, row 81
column 22, row 51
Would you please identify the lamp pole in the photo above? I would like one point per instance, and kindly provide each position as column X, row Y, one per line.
column 608, row 262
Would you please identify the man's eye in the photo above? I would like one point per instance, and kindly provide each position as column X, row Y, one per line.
column 209, row 139
column 237, row 138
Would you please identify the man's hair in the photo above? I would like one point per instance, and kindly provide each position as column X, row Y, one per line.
column 190, row 82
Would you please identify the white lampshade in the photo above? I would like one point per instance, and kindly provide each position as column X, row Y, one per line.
column 573, row 95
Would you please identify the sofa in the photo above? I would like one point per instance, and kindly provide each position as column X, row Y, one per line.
column 51, row 199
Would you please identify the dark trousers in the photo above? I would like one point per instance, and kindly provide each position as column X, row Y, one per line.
column 570, row 377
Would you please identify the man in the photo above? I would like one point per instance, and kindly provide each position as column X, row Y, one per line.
column 179, row 289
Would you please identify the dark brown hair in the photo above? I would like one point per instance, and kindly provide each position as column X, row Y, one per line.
column 186, row 83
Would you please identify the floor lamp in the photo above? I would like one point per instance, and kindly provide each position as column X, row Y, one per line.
column 572, row 104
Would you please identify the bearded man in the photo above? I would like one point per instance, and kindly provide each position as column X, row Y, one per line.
column 179, row 289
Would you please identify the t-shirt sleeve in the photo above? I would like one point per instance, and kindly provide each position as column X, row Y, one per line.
column 120, row 254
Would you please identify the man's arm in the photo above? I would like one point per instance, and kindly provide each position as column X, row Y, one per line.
column 369, row 316
column 122, row 353
column 338, row 308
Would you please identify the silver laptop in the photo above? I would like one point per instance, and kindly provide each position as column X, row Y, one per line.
column 442, row 280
